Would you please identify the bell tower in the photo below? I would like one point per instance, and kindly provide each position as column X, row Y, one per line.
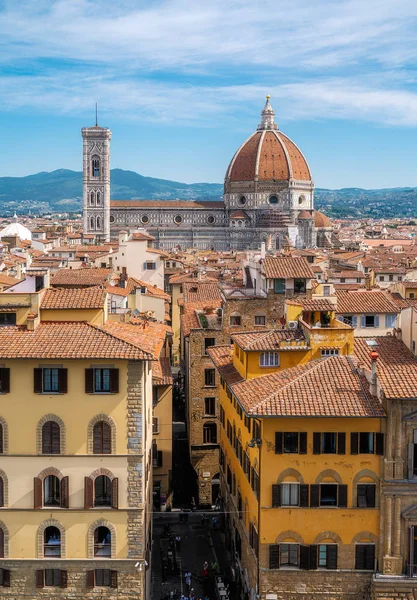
column 96, row 181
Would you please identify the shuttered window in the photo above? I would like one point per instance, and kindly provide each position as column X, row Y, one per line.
column 51, row 438
column 329, row 442
column 289, row 555
column 1, row 439
column 5, row 577
column 102, row 491
column 51, row 578
column 274, row 556
column 50, row 380
column 366, row 495
column 365, row 557
column 102, row 438
column 327, row 556
column 367, row 442
column 102, row 578
column 4, row 381
column 1, row 491
column 102, row 381
column 290, row 442
column 1, row 543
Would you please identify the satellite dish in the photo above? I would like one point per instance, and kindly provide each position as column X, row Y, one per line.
column 135, row 312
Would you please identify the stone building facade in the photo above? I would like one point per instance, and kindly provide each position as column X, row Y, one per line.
column 268, row 197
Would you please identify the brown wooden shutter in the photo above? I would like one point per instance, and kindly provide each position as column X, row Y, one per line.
column 2, row 442
column 354, row 442
column 89, row 383
column 159, row 460
column 304, row 494
column 115, row 493
column 113, row 579
column 1, row 543
column 278, row 442
column 316, row 443
column 65, row 492
column 274, row 556
column 88, row 493
column 6, row 578
column 371, row 495
column 114, row 381
column 37, row 382
column 314, row 495
column 341, row 442
column 1, row 491
column 37, row 493
column 331, row 556
column 303, row 442
column 4, row 381
column 313, row 556
column 55, row 438
column 379, row 443
column 90, row 579
column 410, row 460
column 106, row 449
column 342, row 495
column 63, row 579
column 304, row 557
column 276, row 495
column 361, row 493
column 40, row 578
column 63, row 380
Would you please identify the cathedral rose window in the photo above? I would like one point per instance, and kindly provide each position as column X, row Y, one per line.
column 242, row 200
column 144, row 219
column 210, row 219
column 273, row 200
column 177, row 219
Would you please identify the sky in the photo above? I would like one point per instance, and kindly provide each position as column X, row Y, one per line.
column 181, row 84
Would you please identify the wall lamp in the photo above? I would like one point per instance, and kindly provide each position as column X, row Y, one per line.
column 254, row 442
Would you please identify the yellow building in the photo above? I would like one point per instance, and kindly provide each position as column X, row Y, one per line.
column 75, row 451
column 301, row 444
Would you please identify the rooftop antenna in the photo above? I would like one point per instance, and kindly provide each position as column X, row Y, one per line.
column 96, row 116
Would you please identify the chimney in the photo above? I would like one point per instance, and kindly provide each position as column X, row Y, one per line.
column 123, row 278
column 263, row 250
column 32, row 321
column 374, row 357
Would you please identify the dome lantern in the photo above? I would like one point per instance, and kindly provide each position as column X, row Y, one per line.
column 267, row 117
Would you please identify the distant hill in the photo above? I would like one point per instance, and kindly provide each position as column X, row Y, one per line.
column 61, row 191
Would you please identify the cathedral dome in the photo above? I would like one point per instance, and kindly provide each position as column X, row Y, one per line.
column 16, row 229
column 320, row 219
column 268, row 155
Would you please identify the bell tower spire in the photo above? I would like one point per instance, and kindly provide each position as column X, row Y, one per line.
column 267, row 117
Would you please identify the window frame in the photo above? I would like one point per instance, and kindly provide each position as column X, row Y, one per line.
column 269, row 359
column 106, row 498
column 208, row 343
column 210, row 381
column 54, row 573
column 292, row 548
column 334, row 486
column 235, row 321
column 47, row 547
column 260, row 317
column 210, row 433
column 294, row 490
column 106, row 545
column 210, row 402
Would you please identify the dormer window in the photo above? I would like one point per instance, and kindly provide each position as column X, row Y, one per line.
column 95, row 166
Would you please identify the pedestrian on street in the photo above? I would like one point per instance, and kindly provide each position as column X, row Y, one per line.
column 193, row 503
column 214, row 568
column 214, row 522
column 192, row 594
column 178, row 542
column 205, row 572
column 187, row 577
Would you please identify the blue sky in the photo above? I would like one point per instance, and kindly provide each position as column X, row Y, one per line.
column 181, row 84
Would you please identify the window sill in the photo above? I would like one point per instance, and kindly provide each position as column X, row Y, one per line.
column 101, row 393
column 50, row 393
column 210, row 386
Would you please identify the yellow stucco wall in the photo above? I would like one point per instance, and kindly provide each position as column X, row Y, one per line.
column 96, row 316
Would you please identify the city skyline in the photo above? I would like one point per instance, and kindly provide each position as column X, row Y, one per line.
column 182, row 86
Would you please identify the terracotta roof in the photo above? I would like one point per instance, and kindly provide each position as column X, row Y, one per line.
column 349, row 286
column 317, row 304
column 201, row 291
column 6, row 280
column 147, row 335
column 138, row 236
column 151, row 290
column 320, row 219
column 305, row 214
column 287, row 267
column 161, row 372
column 396, row 366
column 238, row 214
column 222, row 359
column 182, row 278
column 64, row 298
column 82, row 276
column 365, row 302
column 115, row 290
column 65, row 340
column 266, row 340
column 330, row 387
column 400, row 301
column 188, row 204
column 353, row 273
column 268, row 155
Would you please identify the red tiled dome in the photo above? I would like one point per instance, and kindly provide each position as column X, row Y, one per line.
column 320, row 220
column 268, row 154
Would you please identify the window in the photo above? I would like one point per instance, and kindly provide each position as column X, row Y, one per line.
column 51, row 438
column 330, row 351
column 210, row 219
column 242, row 200
column 369, row 321
column 381, row 278
column 366, row 443
column 327, row 556
column 157, row 455
column 92, row 223
column 177, row 219
column 366, row 495
column 411, row 296
column 208, row 342
column 269, row 359
column 102, row 381
column 1, row 439
column 98, row 198
column 390, row 321
column 299, row 286
column 209, row 433
column 4, row 578
column 155, row 425
column 51, row 491
column 102, row 542
column 260, row 319
column 210, row 406
column 209, row 377
column 50, row 380
column 328, row 443
column 4, row 381
column 342, row 280
column 326, row 290
column 101, row 438
column 391, row 277
column 1, row 493
column 150, row 266
column 328, row 494
column 52, row 578
column 92, row 198
column 253, row 538
column 102, row 578
column 279, row 286
column 273, row 200
column 365, row 557
column 144, row 219
column 102, row 491
column 7, row 319
column 52, row 542
column 235, row 320
column 290, row 442
column 222, row 416
column 289, row 555
column 95, row 166
column 290, row 494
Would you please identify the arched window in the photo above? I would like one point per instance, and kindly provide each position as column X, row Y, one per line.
column 209, row 433
column 98, row 222
column 102, row 542
column 2, row 544
column 92, row 198
column 95, row 166
column 102, row 491
column 98, row 198
column 51, row 438
column 102, row 438
column 51, row 491
column 52, row 542
column 92, row 223
column 1, row 491
column 1, row 439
